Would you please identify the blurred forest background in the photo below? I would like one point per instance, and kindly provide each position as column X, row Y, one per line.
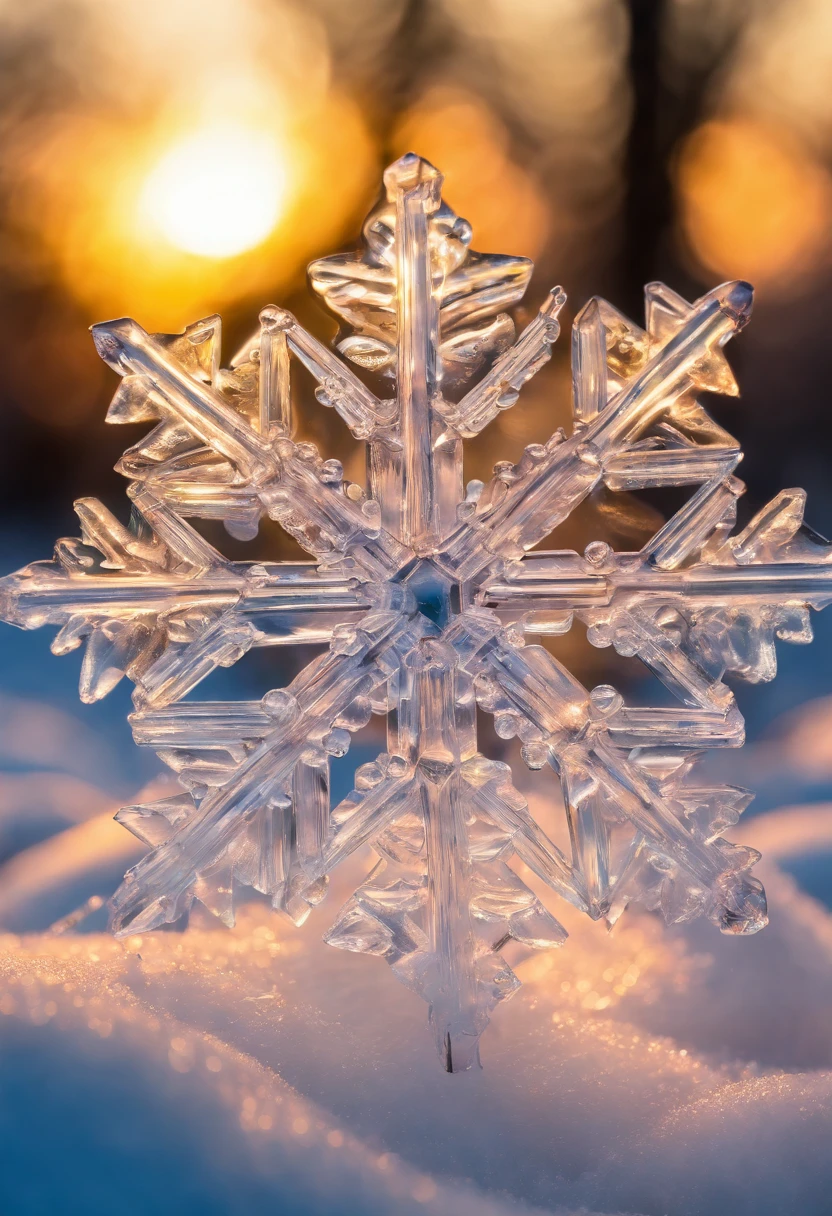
column 167, row 160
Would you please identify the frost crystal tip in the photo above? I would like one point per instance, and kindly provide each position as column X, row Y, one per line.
column 424, row 594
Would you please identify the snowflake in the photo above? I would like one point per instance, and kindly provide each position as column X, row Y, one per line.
column 425, row 594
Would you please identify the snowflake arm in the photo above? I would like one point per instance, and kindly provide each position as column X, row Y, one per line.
column 534, row 697
column 442, row 900
column 528, row 500
column 305, row 732
column 170, row 611
column 293, row 485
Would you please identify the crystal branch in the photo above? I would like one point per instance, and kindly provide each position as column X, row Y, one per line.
column 158, row 889
column 338, row 387
column 564, row 581
column 730, row 609
column 535, row 697
column 167, row 611
column 500, row 389
column 553, row 479
column 274, row 397
column 293, row 485
column 422, row 486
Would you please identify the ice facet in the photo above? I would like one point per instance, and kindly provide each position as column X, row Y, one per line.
column 424, row 595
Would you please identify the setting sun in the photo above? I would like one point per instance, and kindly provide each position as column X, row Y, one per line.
column 218, row 192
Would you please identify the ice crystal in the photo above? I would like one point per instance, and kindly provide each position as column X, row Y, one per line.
column 425, row 593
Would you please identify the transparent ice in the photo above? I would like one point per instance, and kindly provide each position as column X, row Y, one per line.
column 425, row 592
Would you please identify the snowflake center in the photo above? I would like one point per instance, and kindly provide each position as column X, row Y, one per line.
column 437, row 596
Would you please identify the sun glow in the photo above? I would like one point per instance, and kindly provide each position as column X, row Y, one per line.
column 217, row 192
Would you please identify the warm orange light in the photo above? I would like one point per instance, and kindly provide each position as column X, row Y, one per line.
column 753, row 204
column 217, row 192
column 154, row 222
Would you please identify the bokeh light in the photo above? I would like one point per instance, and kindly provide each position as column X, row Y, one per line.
column 781, row 68
column 169, row 227
column 754, row 204
column 217, row 192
